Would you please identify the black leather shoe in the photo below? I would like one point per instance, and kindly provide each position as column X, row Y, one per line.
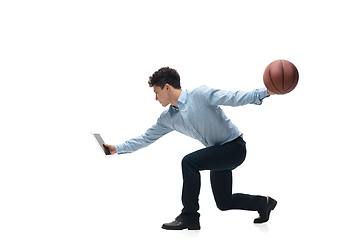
column 264, row 214
column 183, row 222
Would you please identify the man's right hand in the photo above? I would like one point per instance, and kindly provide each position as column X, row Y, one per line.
column 270, row 92
column 111, row 148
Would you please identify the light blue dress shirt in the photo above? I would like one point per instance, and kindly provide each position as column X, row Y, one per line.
column 199, row 116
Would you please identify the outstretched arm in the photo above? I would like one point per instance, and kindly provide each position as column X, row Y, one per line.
column 150, row 136
column 216, row 97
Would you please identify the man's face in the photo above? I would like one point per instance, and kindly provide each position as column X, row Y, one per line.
column 161, row 95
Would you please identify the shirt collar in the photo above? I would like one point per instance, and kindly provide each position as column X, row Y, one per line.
column 183, row 97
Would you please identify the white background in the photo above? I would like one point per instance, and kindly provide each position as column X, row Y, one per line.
column 68, row 68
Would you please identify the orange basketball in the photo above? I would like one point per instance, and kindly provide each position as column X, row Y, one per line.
column 280, row 77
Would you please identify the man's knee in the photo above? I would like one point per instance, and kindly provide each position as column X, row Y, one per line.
column 187, row 160
column 223, row 206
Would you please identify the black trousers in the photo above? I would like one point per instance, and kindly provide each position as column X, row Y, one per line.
column 220, row 160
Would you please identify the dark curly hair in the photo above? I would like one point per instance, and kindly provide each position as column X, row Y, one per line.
column 165, row 75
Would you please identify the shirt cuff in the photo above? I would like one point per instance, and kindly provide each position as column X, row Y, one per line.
column 264, row 93
column 117, row 148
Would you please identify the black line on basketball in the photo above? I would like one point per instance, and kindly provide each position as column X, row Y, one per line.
column 282, row 76
column 295, row 75
column 270, row 77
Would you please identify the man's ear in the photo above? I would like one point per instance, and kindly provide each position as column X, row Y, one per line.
column 167, row 86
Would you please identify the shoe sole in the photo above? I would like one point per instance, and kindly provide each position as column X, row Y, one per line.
column 194, row 228
column 180, row 228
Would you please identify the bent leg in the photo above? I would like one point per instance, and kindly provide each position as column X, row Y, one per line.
column 216, row 158
column 221, row 184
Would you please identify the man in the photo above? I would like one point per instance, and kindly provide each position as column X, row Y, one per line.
column 196, row 113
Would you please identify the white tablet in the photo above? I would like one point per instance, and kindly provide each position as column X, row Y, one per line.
column 101, row 142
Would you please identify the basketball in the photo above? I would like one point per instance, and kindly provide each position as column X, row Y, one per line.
column 280, row 77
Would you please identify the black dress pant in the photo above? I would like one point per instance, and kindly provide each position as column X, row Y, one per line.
column 220, row 160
